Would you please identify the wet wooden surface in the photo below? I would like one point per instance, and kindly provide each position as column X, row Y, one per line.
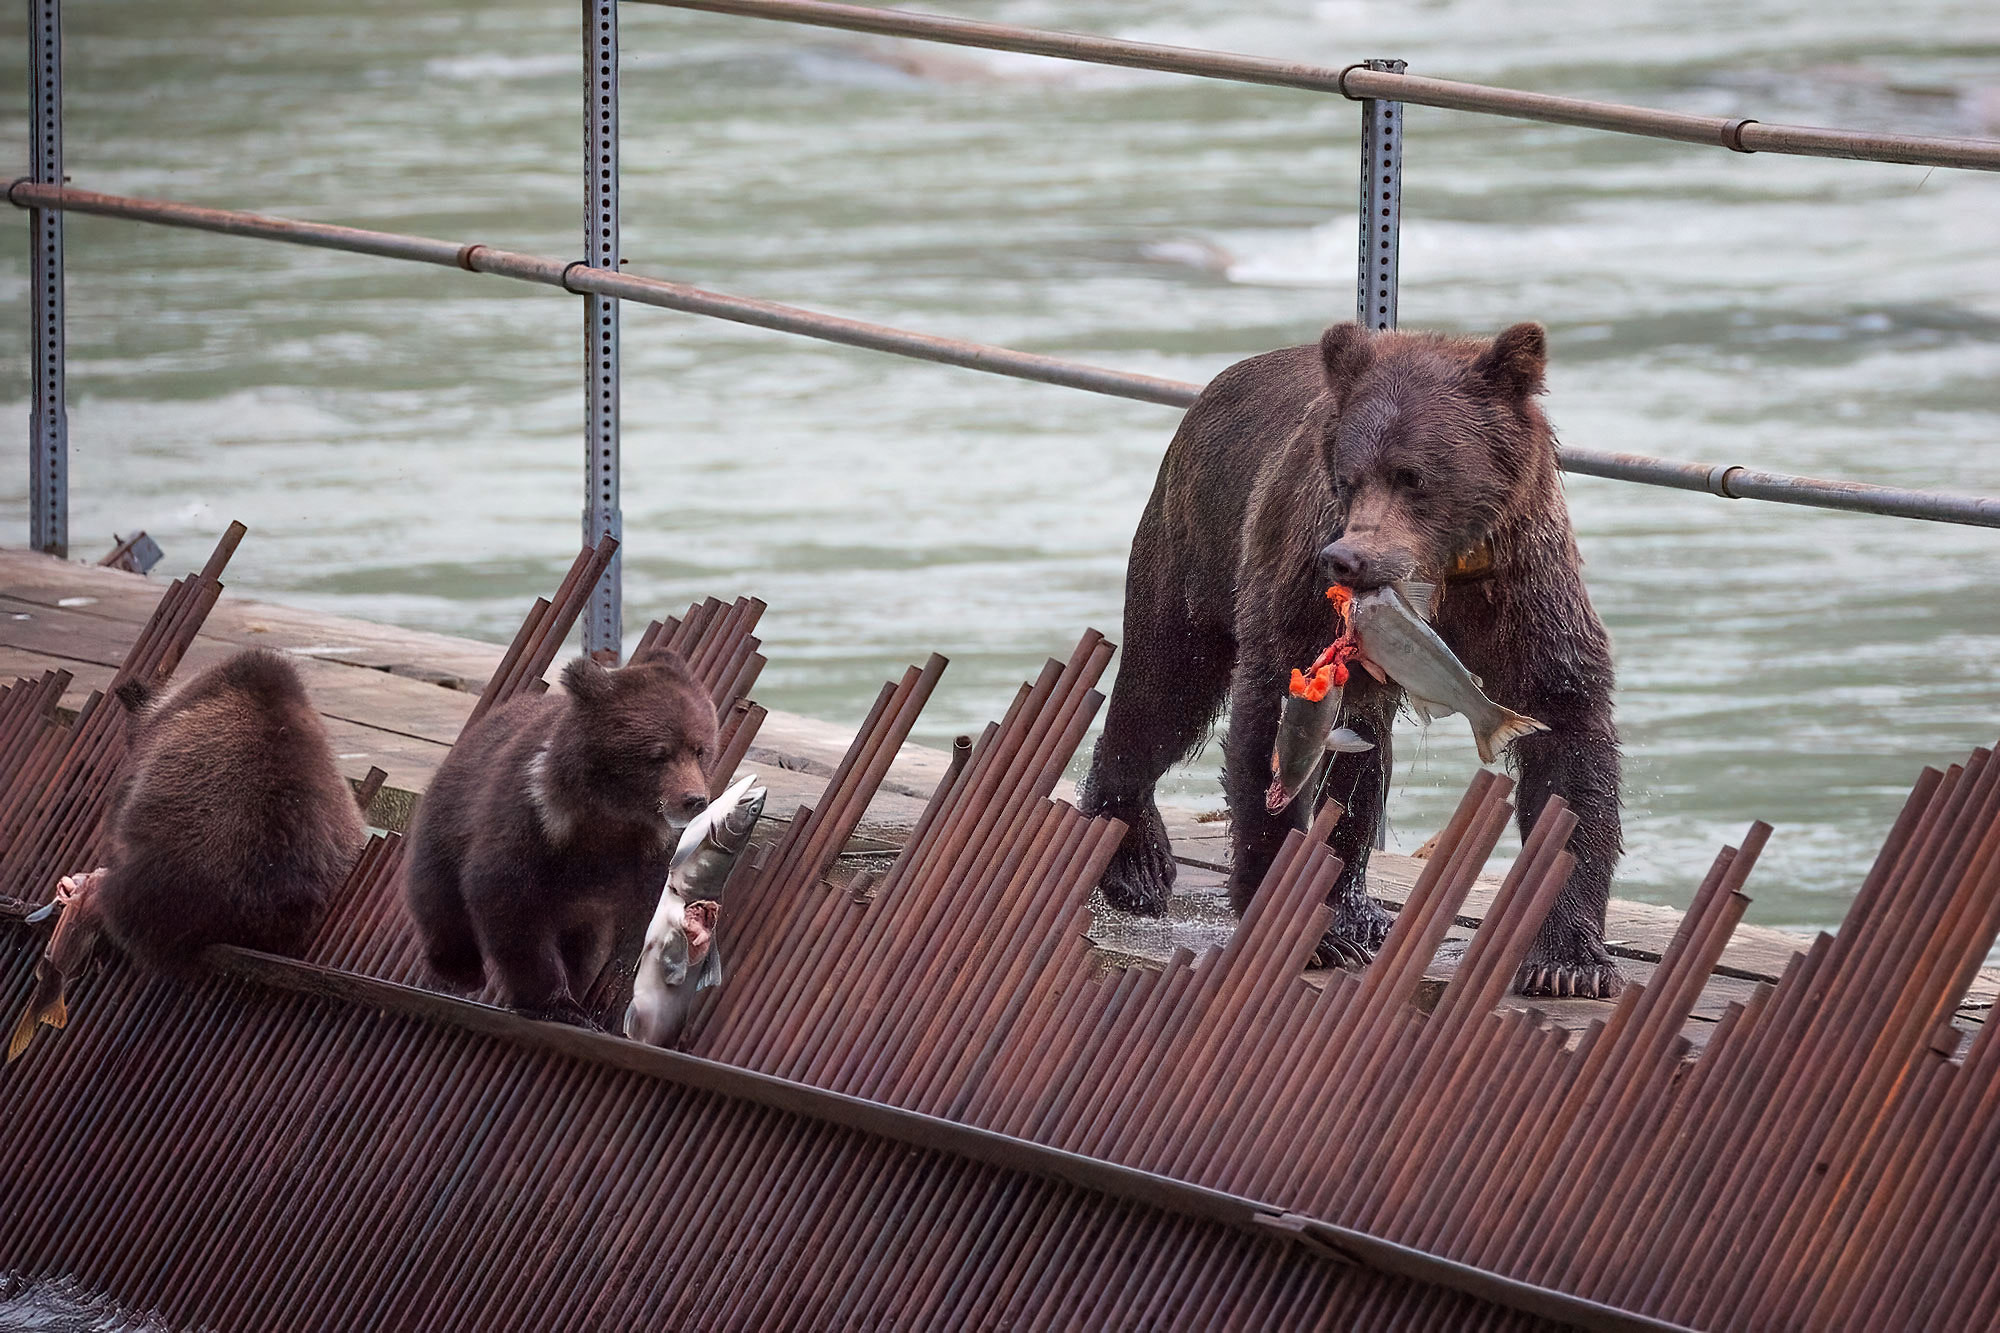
column 396, row 698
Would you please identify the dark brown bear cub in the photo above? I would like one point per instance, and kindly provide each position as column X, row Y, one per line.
column 233, row 825
column 1364, row 460
column 542, row 843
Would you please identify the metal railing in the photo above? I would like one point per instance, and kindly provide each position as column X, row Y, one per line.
column 1380, row 86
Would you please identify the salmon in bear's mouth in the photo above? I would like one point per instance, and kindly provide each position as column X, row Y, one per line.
column 1311, row 707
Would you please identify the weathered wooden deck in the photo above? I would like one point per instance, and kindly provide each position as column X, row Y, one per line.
column 395, row 698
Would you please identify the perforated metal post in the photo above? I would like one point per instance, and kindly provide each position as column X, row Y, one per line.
column 48, row 421
column 1381, row 205
column 603, row 619
column 1381, row 223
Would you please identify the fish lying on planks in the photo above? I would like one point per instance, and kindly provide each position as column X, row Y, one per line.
column 66, row 954
column 1397, row 644
column 680, row 958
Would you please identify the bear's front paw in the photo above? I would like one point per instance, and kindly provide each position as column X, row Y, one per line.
column 1359, row 927
column 1583, row 970
column 1140, row 878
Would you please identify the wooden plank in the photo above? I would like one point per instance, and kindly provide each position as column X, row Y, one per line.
column 118, row 595
column 39, row 583
column 355, row 694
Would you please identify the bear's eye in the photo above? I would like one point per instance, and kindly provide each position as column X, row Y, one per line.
column 1406, row 480
column 658, row 754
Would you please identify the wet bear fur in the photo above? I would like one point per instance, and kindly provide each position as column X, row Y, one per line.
column 1398, row 453
column 232, row 825
column 540, row 848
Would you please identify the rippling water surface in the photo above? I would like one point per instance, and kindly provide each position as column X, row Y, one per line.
column 404, row 442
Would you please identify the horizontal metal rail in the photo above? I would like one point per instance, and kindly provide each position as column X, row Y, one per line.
column 1726, row 480
column 1740, row 134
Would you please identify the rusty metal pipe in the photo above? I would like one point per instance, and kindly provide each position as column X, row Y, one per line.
column 1740, row 134
column 1717, row 479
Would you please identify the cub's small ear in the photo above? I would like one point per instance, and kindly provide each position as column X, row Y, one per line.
column 587, row 681
column 1515, row 362
column 665, row 657
column 135, row 695
column 1343, row 354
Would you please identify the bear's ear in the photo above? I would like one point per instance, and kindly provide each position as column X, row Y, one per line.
column 135, row 694
column 587, row 681
column 1343, row 354
column 1513, row 365
column 667, row 657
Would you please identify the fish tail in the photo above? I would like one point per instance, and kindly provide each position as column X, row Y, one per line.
column 24, row 1032
column 1510, row 727
column 45, row 1005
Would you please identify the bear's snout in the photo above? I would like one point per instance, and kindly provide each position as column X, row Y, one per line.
column 688, row 804
column 1350, row 563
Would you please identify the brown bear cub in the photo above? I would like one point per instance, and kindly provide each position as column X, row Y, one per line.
column 541, row 846
column 1367, row 459
column 233, row 825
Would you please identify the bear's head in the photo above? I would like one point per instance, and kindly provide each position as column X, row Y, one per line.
column 1433, row 443
column 637, row 745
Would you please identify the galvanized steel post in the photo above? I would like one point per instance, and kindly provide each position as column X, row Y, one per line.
column 1380, row 209
column 1381, row 205
column 603, row 623
column 48, row 441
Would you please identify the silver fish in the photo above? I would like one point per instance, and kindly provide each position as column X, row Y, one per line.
column 680, row 957
column 1389, row 623
column 1305, row 735
column 710, row 842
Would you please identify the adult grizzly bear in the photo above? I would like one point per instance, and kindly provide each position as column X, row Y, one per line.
column 541, row 846
column 1366, row 459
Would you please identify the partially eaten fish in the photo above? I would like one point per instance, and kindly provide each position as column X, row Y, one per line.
column 65, row 955
column 1306, row 730
column 680, row 959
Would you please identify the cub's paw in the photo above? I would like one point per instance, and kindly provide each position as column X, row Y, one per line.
column 1359, row 927
column 1585, row 971
column 1140, row 878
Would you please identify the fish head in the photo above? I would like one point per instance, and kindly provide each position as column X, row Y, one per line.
column 725, row 825
column 1432, row 443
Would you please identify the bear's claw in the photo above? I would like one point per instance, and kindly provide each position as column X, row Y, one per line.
column 1140, row 878
column 1336, row 952
column 1588, row 981
column 1359, row 927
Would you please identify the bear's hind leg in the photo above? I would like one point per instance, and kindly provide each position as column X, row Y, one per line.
column 523, row 951
column 451, row 946
column 1360, row 782
column 1169, row 687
